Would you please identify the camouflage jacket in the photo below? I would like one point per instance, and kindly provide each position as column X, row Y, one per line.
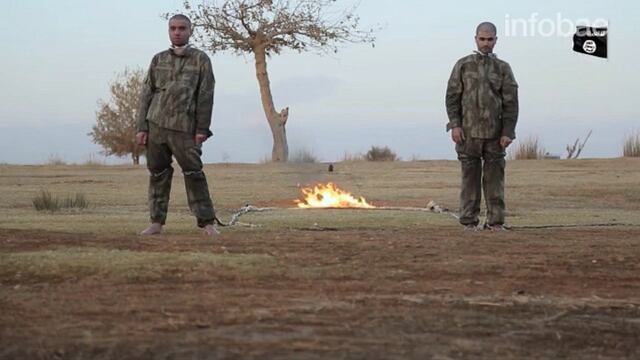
column 482, row 97
column 177, row 93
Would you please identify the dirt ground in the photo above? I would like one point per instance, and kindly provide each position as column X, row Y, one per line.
column 321, row 285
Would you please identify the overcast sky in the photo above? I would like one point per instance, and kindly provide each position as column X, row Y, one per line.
column 59, row 56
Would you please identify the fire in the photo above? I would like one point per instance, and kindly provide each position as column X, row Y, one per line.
column 330, row 196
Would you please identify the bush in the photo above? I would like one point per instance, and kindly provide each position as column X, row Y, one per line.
column 44, row 201
column 377, row 153
column 529, row 149
column 631, row 146
column 303, row 155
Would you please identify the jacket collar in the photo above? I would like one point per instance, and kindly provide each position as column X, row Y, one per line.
column 187, row 50
column 489, row 55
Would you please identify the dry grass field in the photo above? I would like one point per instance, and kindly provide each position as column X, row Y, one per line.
column 323, row 284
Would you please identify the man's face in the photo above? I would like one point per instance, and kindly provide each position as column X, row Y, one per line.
column 486, row 41
column 179, row 32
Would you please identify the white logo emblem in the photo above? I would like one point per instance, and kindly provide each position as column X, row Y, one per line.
column 589, row 46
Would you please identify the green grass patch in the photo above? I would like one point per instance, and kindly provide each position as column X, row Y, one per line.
column 346, row 219
column 75, row 263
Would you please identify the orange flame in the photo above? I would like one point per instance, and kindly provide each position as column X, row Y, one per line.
column 330, row 196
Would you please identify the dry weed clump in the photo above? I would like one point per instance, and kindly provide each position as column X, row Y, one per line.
column 351, row 157
column 528, row 149
column 94, row 160
column 55, row 160
column 631, row 147
column 303, row 155
column 44, row 201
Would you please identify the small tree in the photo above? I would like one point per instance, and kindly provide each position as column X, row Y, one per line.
column 266, row 27
column 115, row 126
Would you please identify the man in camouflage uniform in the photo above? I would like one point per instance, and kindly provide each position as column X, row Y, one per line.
column 482, row 106
column 173, row 120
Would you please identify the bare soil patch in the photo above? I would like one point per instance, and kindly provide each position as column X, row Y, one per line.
column 348, row 293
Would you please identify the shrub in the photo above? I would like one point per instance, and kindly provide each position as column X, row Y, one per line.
column 45, row 201
column 529, row 149
column 631, row 147
column 378, row 153
column 303, row 155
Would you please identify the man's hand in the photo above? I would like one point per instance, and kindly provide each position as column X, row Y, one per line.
column 457, row 135
column 505, row 141
column 200, row 138
column 142, row 137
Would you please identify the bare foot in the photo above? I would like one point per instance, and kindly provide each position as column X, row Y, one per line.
column 497, row 228
column 210, row 230
column 471, row 227
column 153, row 229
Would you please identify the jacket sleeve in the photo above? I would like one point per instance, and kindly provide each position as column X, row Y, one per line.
column 453, row 99
column 509, row 104
column 204, row 100
column 142, row 124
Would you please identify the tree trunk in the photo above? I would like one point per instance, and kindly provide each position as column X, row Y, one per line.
column 277, row 120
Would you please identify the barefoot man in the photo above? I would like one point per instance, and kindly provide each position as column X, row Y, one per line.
column 482, row 106
column 173, row 121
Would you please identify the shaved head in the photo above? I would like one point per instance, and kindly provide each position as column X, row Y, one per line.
column 486, row 27
column 181, row 18
column 179, row 30
column 486, row 37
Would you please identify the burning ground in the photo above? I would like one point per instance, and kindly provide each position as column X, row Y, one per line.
column 330, row 196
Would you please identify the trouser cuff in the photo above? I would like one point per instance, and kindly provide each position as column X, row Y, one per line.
column 203, row 223
column 158, row 220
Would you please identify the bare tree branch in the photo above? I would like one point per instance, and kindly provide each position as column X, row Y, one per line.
column 573, row 151
column 267, row 27
column 241, row 25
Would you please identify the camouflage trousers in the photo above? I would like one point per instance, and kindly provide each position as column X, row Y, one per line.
column 162, row 145
column 483, row 164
